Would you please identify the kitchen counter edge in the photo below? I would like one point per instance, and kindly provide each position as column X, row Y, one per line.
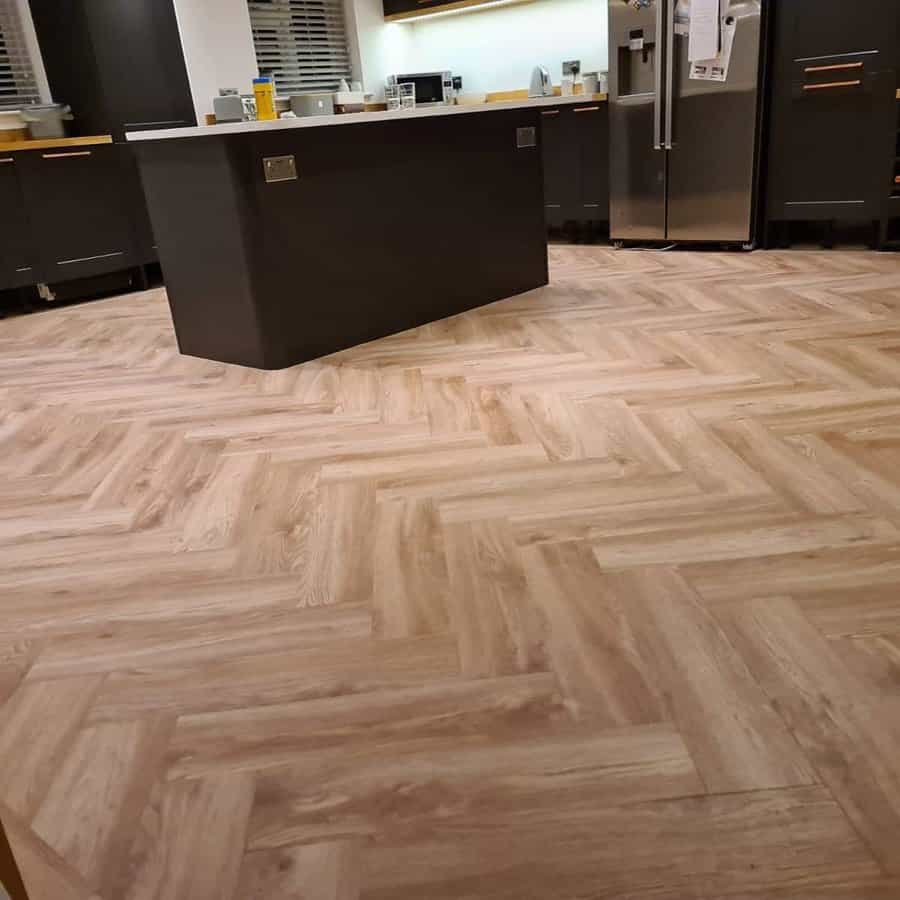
column 357, row 118
column 54, row 143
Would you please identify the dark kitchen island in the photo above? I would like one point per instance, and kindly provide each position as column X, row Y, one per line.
column 284, row 241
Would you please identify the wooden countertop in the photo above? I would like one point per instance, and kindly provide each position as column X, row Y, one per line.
column 522, row 94
column 51, row 143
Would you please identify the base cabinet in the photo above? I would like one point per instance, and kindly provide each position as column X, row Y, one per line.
column 18, row 250
column 832, row 122
column 575, row 148
column 79, row 210
column 71, row 213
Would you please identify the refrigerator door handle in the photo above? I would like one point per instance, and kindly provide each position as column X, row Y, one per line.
column 658, row 57
column 670, row 72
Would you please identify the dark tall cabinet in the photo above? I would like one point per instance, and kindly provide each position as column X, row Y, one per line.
column 118, row 63
column 833, row 110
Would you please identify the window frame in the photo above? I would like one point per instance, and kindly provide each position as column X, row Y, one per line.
column 304, row 44
column 20, row 76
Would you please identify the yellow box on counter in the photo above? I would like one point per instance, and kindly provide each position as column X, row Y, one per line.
column 264, row 91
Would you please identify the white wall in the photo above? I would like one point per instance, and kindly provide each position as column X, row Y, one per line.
column 378, row 48
column 495, row 49
column 218, row 48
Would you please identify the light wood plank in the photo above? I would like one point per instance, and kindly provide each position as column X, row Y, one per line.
column 851, row 737
column 736, row 738
column 191, row 841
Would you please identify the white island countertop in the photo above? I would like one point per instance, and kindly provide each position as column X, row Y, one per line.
column 421, row 112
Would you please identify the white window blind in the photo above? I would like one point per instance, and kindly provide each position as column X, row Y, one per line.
column 302, row 43
column 18, row 85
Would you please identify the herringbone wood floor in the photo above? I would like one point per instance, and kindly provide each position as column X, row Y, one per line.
column 593, row 593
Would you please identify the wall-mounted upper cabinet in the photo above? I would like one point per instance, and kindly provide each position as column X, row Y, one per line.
column 117, row 63
column 401, row 10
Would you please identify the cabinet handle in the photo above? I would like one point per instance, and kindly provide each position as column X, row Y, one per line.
column 66, row 155
column 587, row 108
column 7, row 159
column 834, row 67
column 160, row 122
column 831, row 84
column 81, row 259
column 550, row 112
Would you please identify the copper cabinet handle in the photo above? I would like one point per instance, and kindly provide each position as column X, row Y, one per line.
column 831, row 84
column 834, row 67
column 65, row 155
column 587, row 109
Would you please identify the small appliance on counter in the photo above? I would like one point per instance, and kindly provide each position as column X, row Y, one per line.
column 540, row 83
column 312, row 104
column 570, row 71
column 46, row 120
column 432, row 88
column 228, row 106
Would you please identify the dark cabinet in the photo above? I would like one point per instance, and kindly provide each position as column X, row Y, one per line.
column 832, row 127
column 17, row 254
column 592, row 141
column 118, row 63
column 560, row 160
column 575, row 149
column 78, row 202
column 406, row 8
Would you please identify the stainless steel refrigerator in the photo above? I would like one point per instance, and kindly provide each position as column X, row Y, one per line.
column 683, row 149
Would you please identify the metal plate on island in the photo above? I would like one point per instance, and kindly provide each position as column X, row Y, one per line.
column 280, row 168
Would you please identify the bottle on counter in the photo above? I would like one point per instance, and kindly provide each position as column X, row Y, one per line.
column 264, row 91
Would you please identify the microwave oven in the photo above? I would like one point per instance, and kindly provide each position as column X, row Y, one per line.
column 432, row 88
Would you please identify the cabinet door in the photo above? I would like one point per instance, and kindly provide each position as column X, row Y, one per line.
column 145, row 247
column 79, row 204
column 824, row 27
column 592, row 141
column 139, row 56
column 832, row 109
column 17, row 255
column 560, row 157
column 64, row 37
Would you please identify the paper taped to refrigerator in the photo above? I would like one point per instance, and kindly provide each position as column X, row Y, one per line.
column 703, row 31
column 716, row 69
